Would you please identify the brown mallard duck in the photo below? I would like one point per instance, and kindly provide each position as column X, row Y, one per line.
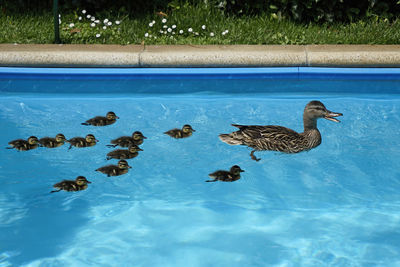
column 278, row 138
column 226, row 176
column 126, row 141
column 115, row 170
column 24, row 145
column 186, row 131
column 79, row 184
column 110, row 118
column 89, row 140
column 51, row 142
column 129, row 153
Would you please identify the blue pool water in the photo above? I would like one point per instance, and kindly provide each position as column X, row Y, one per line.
column 336, row 205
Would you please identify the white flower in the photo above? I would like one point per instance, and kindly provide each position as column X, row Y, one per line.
column 88, row 16
column 165, row 26
column 211, row 34
column 164, row 20
column 92, row 25
column 71, row 25
column 109, row 23
column 223, row 33
column 105, row 21
column 117, row 22
column 59, row 15
column 203, row 27
column 169, row 30
column 181, row 31
column 196, row 33
column 59, row 21
column 83, row 11
column 80, row 18
column 173, row 33
column 190, row 30
column 104, row 27
column 146, row 35
column 98, row 35
column 92, row 18
column 150, row 24
column 153, row 22
column 97, row 21
column 161, row 31
column 165, row 32
column 226, row 31
column 173, row 26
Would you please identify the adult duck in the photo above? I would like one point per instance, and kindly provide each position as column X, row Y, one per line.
column 278, row 138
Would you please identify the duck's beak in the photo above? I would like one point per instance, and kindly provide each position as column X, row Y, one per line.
column 331, row 116
column 117, row 117
column 89, row 182
column 241, row 170
column 140, row 149
column 130, row 167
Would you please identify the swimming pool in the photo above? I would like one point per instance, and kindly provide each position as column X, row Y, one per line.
column 337, row 204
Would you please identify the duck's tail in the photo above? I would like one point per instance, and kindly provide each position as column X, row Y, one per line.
column 229, row 139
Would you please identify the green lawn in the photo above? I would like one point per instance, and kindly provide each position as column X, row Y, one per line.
column 185, row 26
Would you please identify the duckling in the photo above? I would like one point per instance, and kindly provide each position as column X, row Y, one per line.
column 186, row 131
column 51, row 142
column 130, row 153
column 126, row 141
column 115, row 170
column 226, row 176
column 79, row 184
column 89, row 140
column 24, row 145
column 278, row 138
column 110, row 118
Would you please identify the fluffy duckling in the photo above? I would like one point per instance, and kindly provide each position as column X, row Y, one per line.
column 110, row 118
column 24, row 145
column 79, row 184
column 130, row 153
column 278, row 138
column 186, row 131
column 115, row 170
column 89, row 140
column 126, row 141
column 51, row 142
column 226, row 176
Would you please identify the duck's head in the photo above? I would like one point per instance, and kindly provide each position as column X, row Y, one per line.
column 134, row 148
column 138, row 136
column 236, row 170
column 123, row 164
column 33, row 140
column 81, row 180
column 315, row 110
column 60, row 138
column 111, row 116
column 187, row 129
column 91, row 139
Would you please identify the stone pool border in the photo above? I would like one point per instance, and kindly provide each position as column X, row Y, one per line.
column 144, row 56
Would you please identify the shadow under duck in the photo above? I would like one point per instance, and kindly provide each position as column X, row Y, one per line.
column 226, row 176
column 186, row 131
column 24, row 145
column 282, row 139
column 51, row 142
column 89, row 140
column 79, row 184
column 110, row 118
column 115, row 170
column 126, row 141
column 131, row 152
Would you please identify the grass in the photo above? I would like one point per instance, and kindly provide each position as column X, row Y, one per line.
column 262, row 29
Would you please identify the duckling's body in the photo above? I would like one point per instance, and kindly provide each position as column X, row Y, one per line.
column 80, row 183
column 51, row 142
column 278, row 138
column 88, row 141
column 130, row 153
column 126, row 141
column 23, row 145
column 115, row 170
column 110, row 118
column 226, row 176
column 186, row 131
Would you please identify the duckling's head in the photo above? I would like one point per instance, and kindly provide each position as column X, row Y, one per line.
column 187, row 128
column 134, row 148
column 111, row 116
column 138, row 136
column 60, row 138
column 91, row 139
column 33, row 140
column 236, row 170
column 315, row 110
column 123, row 164
column 81, row 180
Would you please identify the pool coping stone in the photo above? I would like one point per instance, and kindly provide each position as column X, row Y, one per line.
column 197, row 56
